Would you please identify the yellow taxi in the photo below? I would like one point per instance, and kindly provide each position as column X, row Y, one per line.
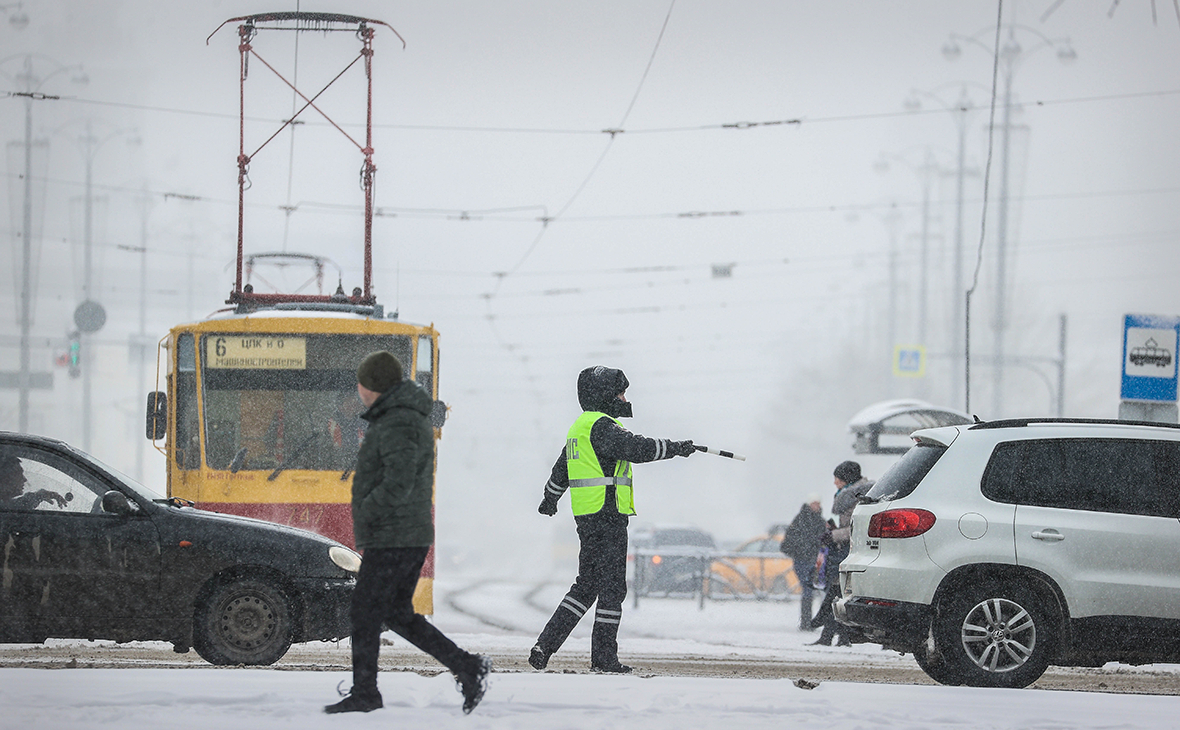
column 754, row 569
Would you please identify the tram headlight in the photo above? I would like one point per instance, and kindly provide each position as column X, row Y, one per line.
column 345, row 558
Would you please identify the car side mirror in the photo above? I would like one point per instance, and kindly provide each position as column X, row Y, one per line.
column 117, row 503
column 157, row 415
column 438, row 414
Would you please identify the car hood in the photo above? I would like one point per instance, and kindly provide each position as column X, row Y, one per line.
column 235, row 523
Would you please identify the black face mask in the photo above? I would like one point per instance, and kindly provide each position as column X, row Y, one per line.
column 619, row 408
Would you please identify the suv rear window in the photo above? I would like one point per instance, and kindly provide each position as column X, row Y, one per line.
column 1128, row 476
column 904, row 476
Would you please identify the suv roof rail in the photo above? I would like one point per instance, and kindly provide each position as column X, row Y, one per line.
column 1021, row 422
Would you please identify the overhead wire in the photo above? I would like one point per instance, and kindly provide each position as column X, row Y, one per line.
column 991, row 127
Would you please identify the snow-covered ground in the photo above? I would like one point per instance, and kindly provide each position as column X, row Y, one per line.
column 259, row 699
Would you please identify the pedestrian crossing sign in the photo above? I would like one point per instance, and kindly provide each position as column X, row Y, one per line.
column 909, row 361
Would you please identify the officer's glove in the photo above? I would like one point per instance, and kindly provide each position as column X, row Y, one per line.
column 681, row 448
column 548, row 506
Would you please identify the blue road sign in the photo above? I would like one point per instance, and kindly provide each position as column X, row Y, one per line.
column 1149, row 357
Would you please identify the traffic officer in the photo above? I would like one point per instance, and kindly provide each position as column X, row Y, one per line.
column 596, row 469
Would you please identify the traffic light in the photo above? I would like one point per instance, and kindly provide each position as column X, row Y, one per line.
column 74, row 355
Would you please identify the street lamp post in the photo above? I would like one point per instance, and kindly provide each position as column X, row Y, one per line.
column 90, row 316
column 1011, row 55
column 962, row 110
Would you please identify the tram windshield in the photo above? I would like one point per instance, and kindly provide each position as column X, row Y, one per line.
column 286, row 401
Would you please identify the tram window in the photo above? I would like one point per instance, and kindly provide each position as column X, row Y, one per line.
column 295, row 410
column 188, row 448
column 425, row 366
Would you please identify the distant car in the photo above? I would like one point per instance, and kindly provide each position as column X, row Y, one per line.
column 91, row 554
column 670, row 560
column 754, row 569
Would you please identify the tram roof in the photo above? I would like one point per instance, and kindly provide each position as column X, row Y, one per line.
column 293, row 313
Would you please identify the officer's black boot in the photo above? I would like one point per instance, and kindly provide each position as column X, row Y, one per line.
column 563, row 621
column 604, row 644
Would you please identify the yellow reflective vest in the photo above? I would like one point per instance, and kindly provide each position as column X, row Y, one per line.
column 588, row 484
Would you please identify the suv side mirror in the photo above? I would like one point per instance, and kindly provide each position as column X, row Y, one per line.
column 157, row 415
column 117, row 504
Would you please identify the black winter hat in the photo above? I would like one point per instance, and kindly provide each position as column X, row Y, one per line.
column 379, row 371
column 599, row 388
column 847, row 472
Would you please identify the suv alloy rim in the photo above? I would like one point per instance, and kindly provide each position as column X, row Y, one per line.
column 999, row 635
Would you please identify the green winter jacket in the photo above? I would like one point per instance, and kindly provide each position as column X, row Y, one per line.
column 392, row 490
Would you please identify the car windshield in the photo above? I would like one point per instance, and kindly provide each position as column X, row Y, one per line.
column 131, row 484
column 693, row 538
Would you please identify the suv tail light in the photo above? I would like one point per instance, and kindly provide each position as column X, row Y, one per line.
column 900, row 523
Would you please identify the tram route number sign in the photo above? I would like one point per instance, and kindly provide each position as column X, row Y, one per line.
column 256, row 352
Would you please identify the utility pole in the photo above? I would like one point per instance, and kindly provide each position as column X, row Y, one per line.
column 30, row 84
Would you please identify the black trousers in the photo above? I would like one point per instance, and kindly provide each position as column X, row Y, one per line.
column 384, row 595
column 602, row 577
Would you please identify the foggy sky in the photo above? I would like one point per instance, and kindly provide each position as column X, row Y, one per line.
column 492, row 118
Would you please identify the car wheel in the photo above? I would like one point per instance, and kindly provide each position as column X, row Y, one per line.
column 936, row 666
column 995, row 635
column 245, row 621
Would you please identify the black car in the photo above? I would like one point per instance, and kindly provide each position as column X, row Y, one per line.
column 670, row 560
column 90, row 554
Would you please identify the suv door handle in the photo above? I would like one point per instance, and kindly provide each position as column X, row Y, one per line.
column 1050, row 535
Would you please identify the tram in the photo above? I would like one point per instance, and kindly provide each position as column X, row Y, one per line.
column 259, row 412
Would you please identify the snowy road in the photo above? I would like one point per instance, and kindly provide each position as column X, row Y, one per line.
column 660, row 638
column 729, row 665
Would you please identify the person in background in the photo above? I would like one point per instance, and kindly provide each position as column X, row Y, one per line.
column 595, row 467
column 801, row 544
column 850, row 486
column 392, row 494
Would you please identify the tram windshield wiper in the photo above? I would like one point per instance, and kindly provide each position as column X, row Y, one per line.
column 295, row 453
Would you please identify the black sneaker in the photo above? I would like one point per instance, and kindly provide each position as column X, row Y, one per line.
column 538, row 657
column 615, row 668
column 356, row 702
column 473, row 685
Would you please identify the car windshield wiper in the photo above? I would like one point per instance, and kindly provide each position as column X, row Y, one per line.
column 175, row 502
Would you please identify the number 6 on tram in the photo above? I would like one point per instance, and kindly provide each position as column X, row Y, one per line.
column 261, row 415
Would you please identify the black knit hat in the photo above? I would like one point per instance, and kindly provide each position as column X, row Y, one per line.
column 847, row 472
column 379, row 371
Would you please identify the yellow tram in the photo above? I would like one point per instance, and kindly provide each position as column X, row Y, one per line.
column 263, row 415
column 260, row 414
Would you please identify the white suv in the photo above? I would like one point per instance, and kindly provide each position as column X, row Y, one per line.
column 992, row 550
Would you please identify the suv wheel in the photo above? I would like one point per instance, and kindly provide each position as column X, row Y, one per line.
column 995, row 635
column 245, row 621
column 935, row 665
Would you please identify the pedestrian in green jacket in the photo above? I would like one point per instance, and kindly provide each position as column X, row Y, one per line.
column 392, row 523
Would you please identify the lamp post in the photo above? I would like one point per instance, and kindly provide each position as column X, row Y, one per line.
column 90, row 316
column 925, row 171
column 962, row 110
column 30, row 80
column 1010, row 55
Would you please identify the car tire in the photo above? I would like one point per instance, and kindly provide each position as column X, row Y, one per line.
column 936, row 666
column 995, row 635
column 244, row 621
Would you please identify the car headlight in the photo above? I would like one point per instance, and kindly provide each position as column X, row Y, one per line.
column 345, row 558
